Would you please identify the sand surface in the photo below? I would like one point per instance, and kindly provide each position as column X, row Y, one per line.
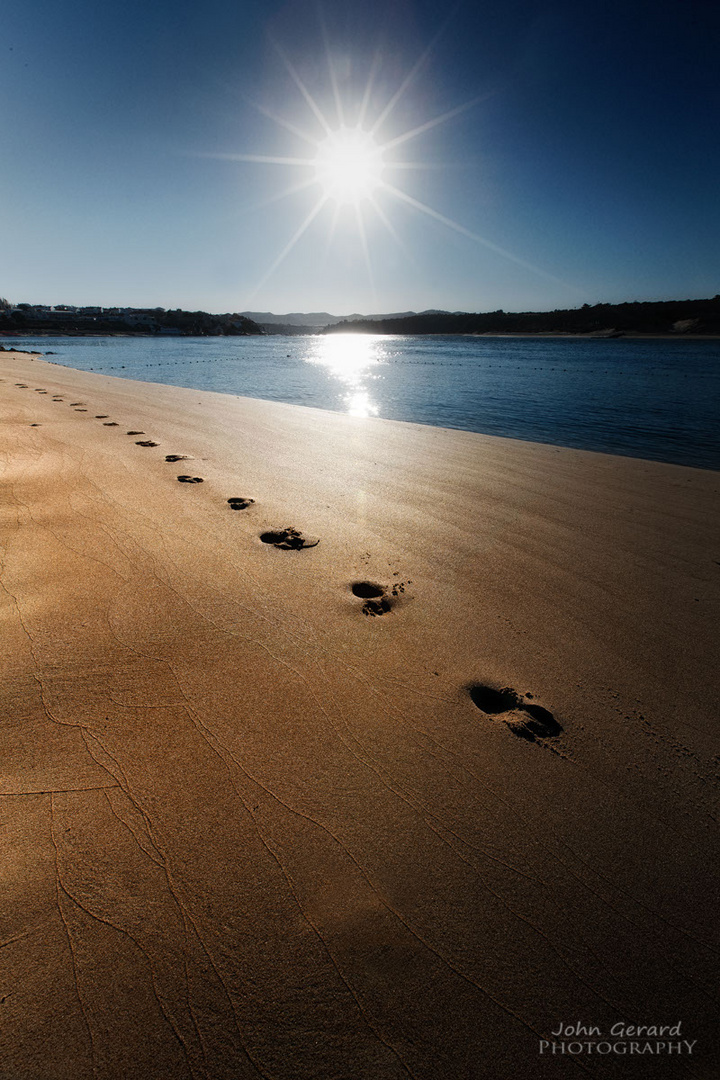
column 255, row 825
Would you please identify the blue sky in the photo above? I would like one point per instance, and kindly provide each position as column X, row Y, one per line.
column 584, row 168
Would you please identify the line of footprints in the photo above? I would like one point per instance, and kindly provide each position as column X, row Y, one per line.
column 287, row 539
column 519, row 712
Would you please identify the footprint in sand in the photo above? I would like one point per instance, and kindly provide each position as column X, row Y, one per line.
column 81, row 410
column 36, row 425
column 524, row 718
column 190, row 479
column 134, row 432
column 110, row 423
column 74, row 403
column 240, row 503
column 101, row 416
column 379, row 599
column 146, row 442
column 22, row 385
column 376, row 602
column 39, row 390
column 168, row 457
column 289, row 539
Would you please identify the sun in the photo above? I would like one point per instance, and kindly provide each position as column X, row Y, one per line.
column 349, row 165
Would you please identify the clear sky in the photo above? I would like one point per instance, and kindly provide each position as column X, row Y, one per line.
column 575, row 157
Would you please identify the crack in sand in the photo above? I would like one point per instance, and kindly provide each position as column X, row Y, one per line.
column 73, row 961
column 159, row 861
column 55, row 791
column 25, row 934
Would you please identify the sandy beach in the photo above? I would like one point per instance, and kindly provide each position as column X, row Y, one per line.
column 401, row 764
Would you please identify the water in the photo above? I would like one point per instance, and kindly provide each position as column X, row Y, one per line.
column 638, row 397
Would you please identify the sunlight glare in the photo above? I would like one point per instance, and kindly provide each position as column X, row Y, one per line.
column 349, row 357
column 360, row 404
column 349, row 165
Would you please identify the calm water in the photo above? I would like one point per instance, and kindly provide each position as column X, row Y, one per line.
column 641, row 398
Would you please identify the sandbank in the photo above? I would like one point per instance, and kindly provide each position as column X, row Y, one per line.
column 257, row 825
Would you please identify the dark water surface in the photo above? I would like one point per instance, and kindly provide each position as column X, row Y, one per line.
column 638, row 397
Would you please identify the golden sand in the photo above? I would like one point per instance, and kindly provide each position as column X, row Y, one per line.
column 397, row 803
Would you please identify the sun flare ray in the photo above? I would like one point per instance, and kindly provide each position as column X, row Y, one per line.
column 290, row 244
column 282, row 122
column 331, row 70
column 425, row 166
column 280, row 195
column 260, row 159
column 365, row 103
column 310, row 100
column 473, row 235
column 387, row 223
column 407, row 81
column 414, row 72
column 422, row 128
column 331, row 231
column 366, row 250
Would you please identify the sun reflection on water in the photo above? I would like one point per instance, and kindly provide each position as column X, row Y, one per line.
column 350, row 359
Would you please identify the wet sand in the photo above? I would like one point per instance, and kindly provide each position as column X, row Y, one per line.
column 391, row 766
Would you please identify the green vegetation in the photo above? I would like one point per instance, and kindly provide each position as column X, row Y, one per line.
column 602, row 320
column 63, row 319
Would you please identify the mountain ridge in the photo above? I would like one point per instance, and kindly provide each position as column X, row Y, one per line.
column 665, row 317
column 324, row 318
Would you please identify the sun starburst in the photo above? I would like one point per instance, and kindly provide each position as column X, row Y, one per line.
column 349, row 164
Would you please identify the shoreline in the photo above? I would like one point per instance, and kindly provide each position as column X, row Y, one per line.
column 591, row 335
column 697, row 453
column 260, row 823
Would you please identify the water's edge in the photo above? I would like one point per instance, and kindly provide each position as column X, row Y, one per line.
column 642, row 398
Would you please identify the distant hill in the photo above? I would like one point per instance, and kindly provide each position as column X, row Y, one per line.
column 80, row 321
column 296, row 318
column 324, row 318
column 304, row 322
column 675, row 317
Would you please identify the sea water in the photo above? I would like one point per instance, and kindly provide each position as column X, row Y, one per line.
column 656, row 399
